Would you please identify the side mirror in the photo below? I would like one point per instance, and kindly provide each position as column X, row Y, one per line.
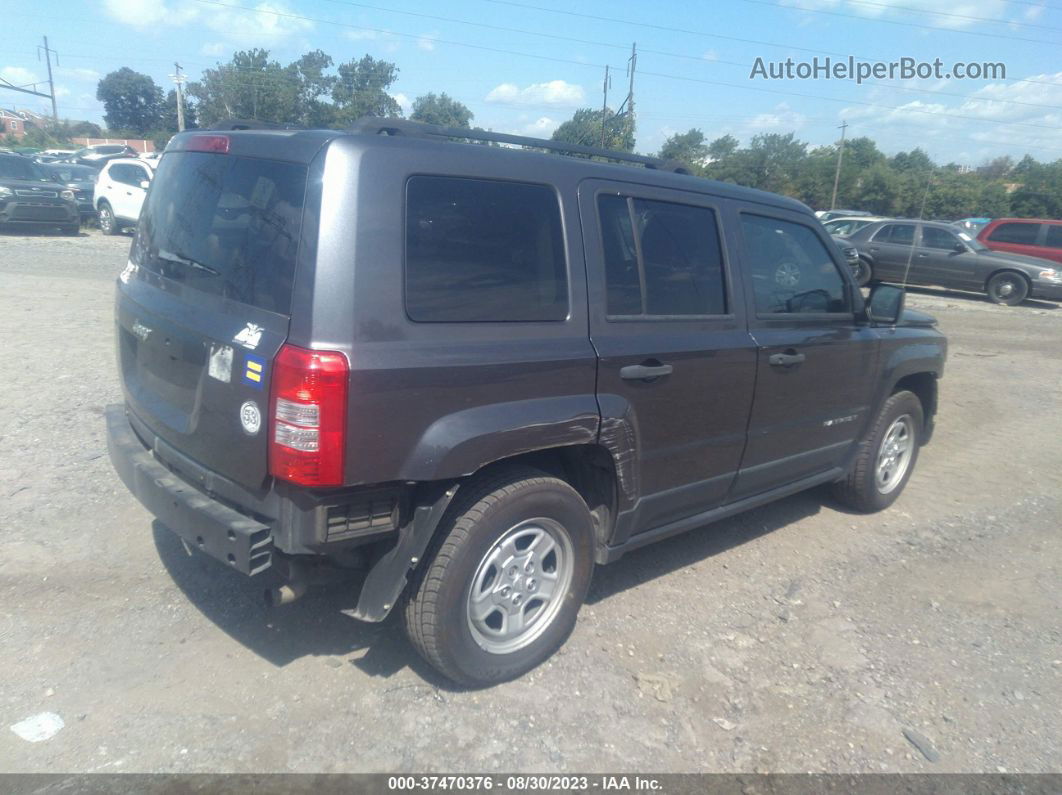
column 885, row 305
column 960, row 248
column 145, row 184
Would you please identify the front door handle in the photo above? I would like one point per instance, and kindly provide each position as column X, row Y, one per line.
column 645, row 372
column 787, row 359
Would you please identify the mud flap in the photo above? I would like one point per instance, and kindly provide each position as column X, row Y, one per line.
column 389, row 575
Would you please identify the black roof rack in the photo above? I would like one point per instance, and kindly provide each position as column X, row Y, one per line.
column 378, row 126
column 251, row 124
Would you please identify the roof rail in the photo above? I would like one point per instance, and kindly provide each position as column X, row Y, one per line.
column 250, row 124
column 373, row 125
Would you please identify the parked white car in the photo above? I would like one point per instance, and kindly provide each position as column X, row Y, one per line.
column 120, row 190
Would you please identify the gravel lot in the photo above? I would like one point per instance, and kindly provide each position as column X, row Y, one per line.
column 793, row 638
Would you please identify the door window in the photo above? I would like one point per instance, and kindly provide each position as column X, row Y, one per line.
column 124, row 174
column 938, row 238
column 791, row 269
column 899, row 234
column 1015, row 232
column 1054, row 236
column 661, row 258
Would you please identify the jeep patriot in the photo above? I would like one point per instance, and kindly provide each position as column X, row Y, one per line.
column 475, row 372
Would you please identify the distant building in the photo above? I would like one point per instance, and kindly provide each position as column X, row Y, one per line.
column 13, row 123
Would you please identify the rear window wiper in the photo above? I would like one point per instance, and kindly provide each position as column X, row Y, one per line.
column 180, row 259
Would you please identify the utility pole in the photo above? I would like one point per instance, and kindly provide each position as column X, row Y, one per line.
column 51, row 85
column 631, row 63
column 604, row 104
column 837, row 174
column 178, row 79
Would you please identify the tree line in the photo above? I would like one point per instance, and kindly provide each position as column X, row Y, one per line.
column 315, row 91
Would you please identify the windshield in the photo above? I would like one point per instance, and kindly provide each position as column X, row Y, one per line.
column 224, row 225
column 972, row 242
column 19, row 168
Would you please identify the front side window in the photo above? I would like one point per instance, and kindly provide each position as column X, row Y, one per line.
column 483, row 251
column 792, row 271
column 661, row 258
column 1021, row 233
column 938, row 238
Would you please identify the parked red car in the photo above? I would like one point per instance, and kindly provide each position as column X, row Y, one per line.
column 1033, row 237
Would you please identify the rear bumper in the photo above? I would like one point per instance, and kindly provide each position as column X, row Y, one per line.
column 244, row 529
column 223, row 533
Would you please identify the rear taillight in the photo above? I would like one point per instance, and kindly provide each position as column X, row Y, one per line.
column 218, row 144
column 308, row 406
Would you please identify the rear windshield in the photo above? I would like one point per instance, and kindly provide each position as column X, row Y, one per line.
column 224, row 225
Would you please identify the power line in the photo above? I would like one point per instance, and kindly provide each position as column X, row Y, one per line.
column 879, row 20
column 953, row 15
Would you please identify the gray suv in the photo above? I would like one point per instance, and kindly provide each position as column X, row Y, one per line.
column 476, row 372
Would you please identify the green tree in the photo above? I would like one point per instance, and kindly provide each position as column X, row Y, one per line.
column 168, row 117
column 441, row 109
column 250, row 86
column 723, row 147
column 585, row 128
column 131, row 101
column 687, row 147
column 312, row 89
column 361, row 90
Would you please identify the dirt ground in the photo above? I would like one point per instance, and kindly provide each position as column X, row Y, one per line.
column 793, row 638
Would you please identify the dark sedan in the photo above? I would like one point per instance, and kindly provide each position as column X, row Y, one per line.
column 80, row 179
column 936, row 253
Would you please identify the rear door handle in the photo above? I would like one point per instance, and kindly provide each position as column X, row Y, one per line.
column 645, row 372
column 786, row 359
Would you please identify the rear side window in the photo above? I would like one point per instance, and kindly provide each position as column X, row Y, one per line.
column 483, row 251
column 1054, row 236
column 792, row 271
column 224, row 225
column 1015, row 233
column 661, row 258
column 900, row 234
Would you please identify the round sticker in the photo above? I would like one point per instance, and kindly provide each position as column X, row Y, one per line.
column 250, row 417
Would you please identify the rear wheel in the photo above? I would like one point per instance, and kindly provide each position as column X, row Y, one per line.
column 503, row 587
column 886, row 457
column 108, row 223
column 1008, row 288
column 863, row 273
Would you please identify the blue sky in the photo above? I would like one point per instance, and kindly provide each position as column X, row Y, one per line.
column 525, row 65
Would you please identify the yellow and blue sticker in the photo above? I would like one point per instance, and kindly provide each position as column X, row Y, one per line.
column 254, row 370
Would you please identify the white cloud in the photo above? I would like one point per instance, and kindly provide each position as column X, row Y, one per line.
column 710, row 55
column 387, row 41
column 555, row 92
column 426, row 41
column 18, row 76
column 403, row 101
column 214, row 48
column 937, row 13
column 266, row 24
column 780, row 118
column 542, row 127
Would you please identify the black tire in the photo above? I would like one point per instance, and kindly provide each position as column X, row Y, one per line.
column 437, row 614
column 1007, row 287
column 864, row 275
column 108, row 223
column 860, row 489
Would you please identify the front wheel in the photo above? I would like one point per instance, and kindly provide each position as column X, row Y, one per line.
column 510, row 570
column 108, row 223
column 886, row 457
column 1007, row 288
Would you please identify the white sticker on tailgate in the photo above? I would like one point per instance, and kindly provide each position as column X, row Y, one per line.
column 220, row 363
